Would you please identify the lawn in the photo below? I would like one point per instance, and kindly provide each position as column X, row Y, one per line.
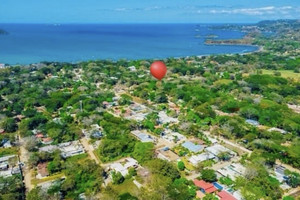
column 126, row 187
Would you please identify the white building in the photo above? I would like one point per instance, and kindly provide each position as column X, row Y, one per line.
column 172, row 136
column 277, row 130
column 123, row 167
column 143, row 136
column 69, row 149
column 132, row 68
column 164, row 118
column 195, row 159
column 233, row 170
column 217, row 149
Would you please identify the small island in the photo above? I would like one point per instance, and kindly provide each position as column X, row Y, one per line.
column 3, row 32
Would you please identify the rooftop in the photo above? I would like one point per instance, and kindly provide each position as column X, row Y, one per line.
column 217, row 149
column 142, row 136
column 225, row 195
column 207, row 187
column 167, row 154
column 277, row 130
column 252, row 122
column 192, row 147
column 195, row 159
column 123, row 167
column 164, row 118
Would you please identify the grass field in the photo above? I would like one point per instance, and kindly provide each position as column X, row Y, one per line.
column 127, row 186
column 284, row 73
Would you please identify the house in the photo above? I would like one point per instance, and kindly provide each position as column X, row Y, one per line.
column 39, row 135
column 42, row 170
column 223, row 195
column 166, row 154
column 172, row 136
column 217, row 149
column 232, row 171
column 6, row 167
column 132, row 68
column 69, row 149
column 3, row 166
column 6, row 158
column 123, row 167
column 49, row 148
column 252, row 122
column 142, row 136
column 7, row 144
column 105, row 104
column 195, row 148
column 47, row 140
column 195, row 159
column 277, row 130
column 97, row 134
column 199, row 194
column 205, row 187
column 2, row 131
column 164, row 118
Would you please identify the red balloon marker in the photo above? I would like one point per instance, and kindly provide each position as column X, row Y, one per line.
column 158, row 69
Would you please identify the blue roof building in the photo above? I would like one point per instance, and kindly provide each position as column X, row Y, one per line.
column 192, row 147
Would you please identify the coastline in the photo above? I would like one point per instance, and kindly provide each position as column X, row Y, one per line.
column 77, row 43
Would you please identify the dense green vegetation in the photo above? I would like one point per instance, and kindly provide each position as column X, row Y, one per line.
column 215, row 93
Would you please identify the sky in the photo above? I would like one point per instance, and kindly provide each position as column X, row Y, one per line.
column 146, row 11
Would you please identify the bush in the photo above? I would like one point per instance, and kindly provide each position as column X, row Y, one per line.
column 181, row 165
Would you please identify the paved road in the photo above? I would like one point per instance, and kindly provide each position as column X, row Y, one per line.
column 89, row 148
column 27, row 173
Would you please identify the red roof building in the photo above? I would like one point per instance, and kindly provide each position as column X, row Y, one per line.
column 204, row 186
column 39, row 135
column 225, row 196
column 42, row 170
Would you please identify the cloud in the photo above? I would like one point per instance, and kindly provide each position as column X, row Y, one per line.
column 268, row 10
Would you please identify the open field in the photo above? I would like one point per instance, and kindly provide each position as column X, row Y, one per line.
column 284, row 73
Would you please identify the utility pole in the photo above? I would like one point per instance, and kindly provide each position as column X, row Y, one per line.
column 81, row 105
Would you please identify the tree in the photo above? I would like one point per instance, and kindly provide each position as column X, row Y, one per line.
column 181, row 165
column 31, row 143
column 36, row 194
column 223, row 156
column 9, row 125
column 164, row 168
column 159, row 184
column 294, row 179
column 182, row 189
column 210, row 197
column 288, row 198
column 117, row 177
column 125, row 99
column 143, row 151
column 208, row 175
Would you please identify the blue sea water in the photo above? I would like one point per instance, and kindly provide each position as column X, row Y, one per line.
column 32, row 43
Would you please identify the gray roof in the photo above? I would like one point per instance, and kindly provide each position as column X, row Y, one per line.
column 192, row 147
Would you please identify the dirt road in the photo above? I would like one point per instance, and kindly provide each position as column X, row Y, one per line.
column 89, row 148
column 24, row 156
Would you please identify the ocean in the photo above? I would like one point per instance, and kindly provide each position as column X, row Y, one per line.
column 32, row 43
